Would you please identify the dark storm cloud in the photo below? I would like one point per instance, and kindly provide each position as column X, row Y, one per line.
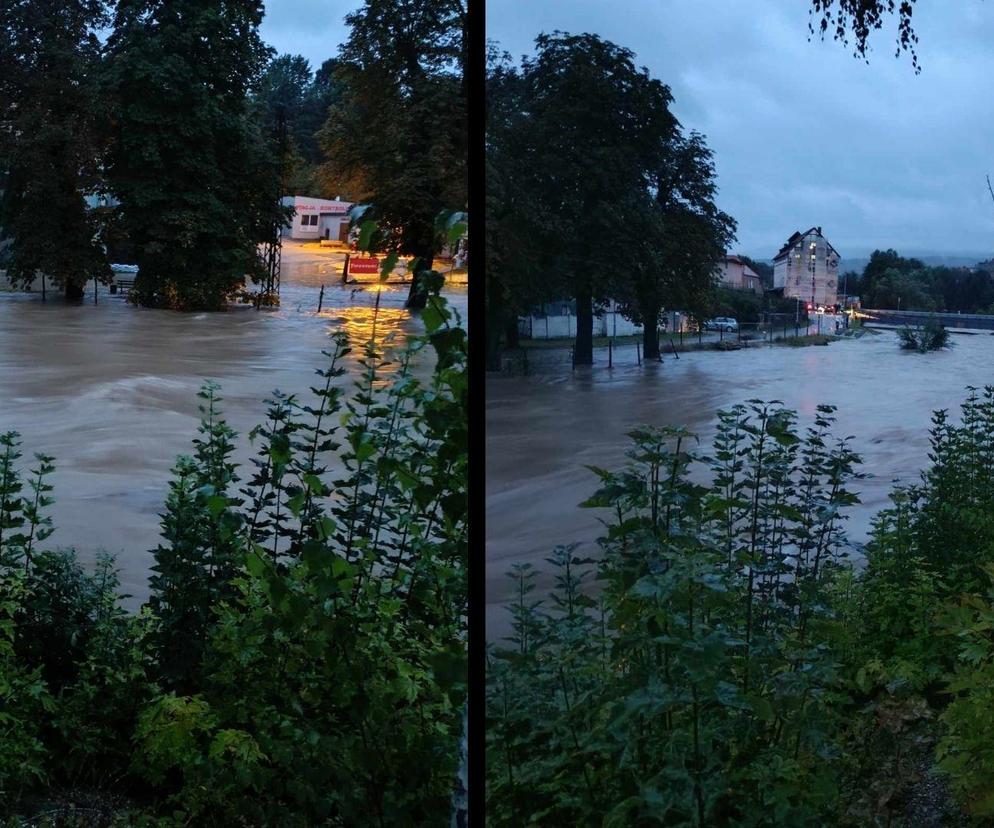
column 312, row 28
column 803, row 133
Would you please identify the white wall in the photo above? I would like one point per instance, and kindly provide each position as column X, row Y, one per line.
column 564, row 327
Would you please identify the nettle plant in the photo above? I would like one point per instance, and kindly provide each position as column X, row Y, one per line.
column 698, row 688
column 301, row 660
column 329, row 628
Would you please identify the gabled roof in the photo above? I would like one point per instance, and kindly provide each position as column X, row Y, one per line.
column 746, row 270
column 797, row 236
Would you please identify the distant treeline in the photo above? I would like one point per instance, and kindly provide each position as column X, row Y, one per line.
column 890, row 280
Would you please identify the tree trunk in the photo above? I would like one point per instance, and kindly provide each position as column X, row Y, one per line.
column 511, row 335
column 417, row 298
column 494, row 323
column 583, row 353
column 650, row 332
column 73, row 291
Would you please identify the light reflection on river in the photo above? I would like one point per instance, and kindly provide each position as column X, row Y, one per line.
column 110, row 390
column 542, row 430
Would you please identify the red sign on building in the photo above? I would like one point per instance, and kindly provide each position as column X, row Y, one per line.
column 360, row 265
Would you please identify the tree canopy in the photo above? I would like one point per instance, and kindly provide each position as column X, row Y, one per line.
column 890, row 280
column 195, row 176
column 596, row 175
column 50, row 116
column 397, row 135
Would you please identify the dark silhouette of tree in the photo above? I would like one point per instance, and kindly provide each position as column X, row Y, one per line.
column 50, row 147
column 853, row 21
column 397, row 136
column 595, row 193
column 195, row 174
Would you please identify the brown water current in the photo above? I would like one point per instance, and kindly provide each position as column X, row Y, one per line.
column 542, row 430
column 110, row 390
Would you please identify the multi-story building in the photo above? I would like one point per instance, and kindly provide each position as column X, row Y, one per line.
column 807, row 267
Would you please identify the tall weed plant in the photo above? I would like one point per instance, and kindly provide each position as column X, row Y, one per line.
column 723, row 662
column 301, row 660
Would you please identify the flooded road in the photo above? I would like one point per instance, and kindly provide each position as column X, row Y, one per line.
column 542, row 430
column 110, row 390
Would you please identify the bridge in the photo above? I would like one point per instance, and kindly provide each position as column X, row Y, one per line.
column 950, row 320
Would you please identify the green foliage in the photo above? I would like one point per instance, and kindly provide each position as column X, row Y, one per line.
column 697, row 691
column 50, row 142
column 397, row 134
column 890, row 280
column 728, row 667
column 928, row 337
column 202, row 546
column 965, row 751
column 194, row 173
column 302, row 658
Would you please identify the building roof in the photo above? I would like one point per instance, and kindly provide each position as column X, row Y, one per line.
column 796, row 237
column 747, row 271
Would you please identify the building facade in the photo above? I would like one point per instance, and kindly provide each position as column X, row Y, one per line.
column 807, row 268
column 317, row 218
column 737, row 274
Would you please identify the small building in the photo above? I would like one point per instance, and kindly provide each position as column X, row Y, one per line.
column 735, row 273
column 317, row 218
column 807, row 268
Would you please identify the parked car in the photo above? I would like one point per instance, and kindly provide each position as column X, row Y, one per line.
column 721, row 323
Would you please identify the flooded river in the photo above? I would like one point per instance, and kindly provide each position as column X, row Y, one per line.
column 542, row 430
column 110, row 390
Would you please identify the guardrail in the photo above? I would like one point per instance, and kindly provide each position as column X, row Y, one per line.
column 950, row 320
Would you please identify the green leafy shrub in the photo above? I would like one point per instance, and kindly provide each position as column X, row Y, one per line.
column 302, row 658
column 723, row 664
column 924, row 338
column 697, row 691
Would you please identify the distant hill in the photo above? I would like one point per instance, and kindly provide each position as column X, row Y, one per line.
column 940, row 260
column 857, row 263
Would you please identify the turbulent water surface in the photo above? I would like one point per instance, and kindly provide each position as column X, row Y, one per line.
column 543, row 429
column 110, row 390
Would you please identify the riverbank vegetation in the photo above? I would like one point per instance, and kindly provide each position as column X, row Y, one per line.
column 301, row 659
column 892, row 281
column 726, row 662
column 924, row 338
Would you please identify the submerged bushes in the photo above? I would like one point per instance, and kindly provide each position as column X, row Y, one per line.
column 301, row 660
column 928, row 337
column 723, row 663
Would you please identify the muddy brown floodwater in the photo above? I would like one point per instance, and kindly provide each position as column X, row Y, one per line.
column 542, row 430
column 110, row 390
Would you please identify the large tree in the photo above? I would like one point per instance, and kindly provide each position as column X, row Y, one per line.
column 515, row 278
column 50, row 110
column 398, row 134
column 195, row 174
column 682, row 240
column 594, row 161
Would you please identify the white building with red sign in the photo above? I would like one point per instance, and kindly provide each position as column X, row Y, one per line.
column 317, row 218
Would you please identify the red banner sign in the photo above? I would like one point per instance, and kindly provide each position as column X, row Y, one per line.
column 359, row 265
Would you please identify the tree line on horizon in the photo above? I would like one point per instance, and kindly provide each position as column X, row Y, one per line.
column 173, row 110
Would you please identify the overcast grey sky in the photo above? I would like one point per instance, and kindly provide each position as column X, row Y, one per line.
column 312, row 28
column 803, row 133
